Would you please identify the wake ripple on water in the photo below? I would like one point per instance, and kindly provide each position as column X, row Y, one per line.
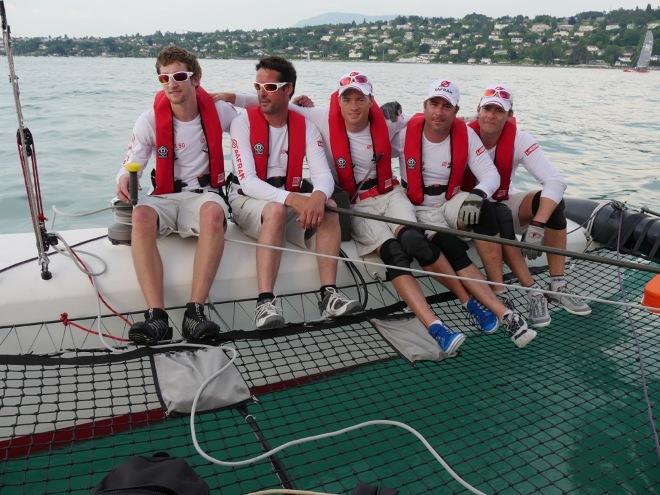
column 605, row 145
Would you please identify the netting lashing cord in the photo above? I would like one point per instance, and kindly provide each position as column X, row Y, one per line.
column 638, row 348
column 74, row 256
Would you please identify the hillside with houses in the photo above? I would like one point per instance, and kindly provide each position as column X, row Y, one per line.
column 607, row 39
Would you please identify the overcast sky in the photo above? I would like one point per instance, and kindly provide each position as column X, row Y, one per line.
column 115, row 17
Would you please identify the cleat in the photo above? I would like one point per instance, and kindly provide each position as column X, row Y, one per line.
column 153, row 330
column 197, row 327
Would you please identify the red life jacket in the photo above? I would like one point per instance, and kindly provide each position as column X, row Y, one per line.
column 341, row 149
column 212, row 128
column 260, row 149
column 412, row 152
column 503, row 159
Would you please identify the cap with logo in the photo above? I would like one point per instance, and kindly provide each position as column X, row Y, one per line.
column 355, row 80
column 497, row 95
column 444, row 88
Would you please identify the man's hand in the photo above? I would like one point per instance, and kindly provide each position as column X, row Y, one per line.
column 228, row 97
column 392, row 110
column 310, row 209
column 533, row 235
column 303, row 101
column 122, row 189
column 471, row 207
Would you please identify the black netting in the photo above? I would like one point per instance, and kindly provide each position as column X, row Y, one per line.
column 567, row 414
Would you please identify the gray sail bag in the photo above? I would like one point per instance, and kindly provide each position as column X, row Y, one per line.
column 180, row 375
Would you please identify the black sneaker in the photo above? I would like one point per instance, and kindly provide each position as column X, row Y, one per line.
column 196, row 327
column 153, row 330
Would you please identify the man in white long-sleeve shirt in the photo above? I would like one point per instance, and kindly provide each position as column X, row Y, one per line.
column 538, row 215
column 269, row 144
column 184, row 131
column 436, row 150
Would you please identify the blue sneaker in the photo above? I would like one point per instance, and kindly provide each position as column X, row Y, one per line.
column 448, row 340
column 483, row 317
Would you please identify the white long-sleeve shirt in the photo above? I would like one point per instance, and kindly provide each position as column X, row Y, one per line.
column 361, row 145
column 436, row 158
column 528, row 153
column 278, row 144
column 191, row 158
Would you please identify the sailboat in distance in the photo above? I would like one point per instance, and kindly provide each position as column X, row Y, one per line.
column 644, row 55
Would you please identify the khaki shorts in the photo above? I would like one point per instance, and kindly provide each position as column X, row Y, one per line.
column 371, row 234
column 180, row 211
column 247, row 215
column 514, row 202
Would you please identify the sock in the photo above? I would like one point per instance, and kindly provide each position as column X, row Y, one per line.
column 557, row 281
column 264, row 297
column 324, row 287
column 507, row 314
column 439, row 321
column 536, row 290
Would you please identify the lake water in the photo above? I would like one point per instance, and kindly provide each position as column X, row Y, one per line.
column 600, row 127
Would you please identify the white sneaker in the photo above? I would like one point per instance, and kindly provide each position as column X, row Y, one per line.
column 267, row 315
column 337, row 304
column 569, row 302
column 516, row 327
column 538, row 315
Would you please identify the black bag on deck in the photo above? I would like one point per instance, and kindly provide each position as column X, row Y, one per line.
column 160, row 474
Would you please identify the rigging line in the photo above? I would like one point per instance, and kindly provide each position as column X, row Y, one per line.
column 498, row 240
column 434, row 274
column 640, row 356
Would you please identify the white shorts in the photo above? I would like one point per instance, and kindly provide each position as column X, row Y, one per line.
column 180, row 211
column 514, row 202
column 247, row 215
column 371, row 234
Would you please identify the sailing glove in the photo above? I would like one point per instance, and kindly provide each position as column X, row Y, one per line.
column 533, row 235
column 471, row 208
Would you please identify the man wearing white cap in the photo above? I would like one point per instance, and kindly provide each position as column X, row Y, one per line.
column 435, row 151
column 359, row 140
column 538, row 215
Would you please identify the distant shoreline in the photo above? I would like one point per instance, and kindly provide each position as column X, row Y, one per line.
column 499, row 64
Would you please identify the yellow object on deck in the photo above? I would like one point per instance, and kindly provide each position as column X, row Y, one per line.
column 651, row 297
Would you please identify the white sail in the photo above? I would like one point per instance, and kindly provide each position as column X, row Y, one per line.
column 647, row 50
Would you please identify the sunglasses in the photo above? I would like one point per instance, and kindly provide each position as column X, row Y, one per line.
column 269, row 87
column 498, row 92
column 358, row 78
column 178, row 77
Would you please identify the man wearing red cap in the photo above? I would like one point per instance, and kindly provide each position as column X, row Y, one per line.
column 538, row 215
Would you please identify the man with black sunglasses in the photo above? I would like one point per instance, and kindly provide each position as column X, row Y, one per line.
column 537, row 215
column 184, row 130
column 269, row 144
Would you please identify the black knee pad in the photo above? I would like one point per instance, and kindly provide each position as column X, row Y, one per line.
column 417, row 246
column 504, row 217
column 557, row 220
column 487, row 220
column 454, row 249
column 392, row 253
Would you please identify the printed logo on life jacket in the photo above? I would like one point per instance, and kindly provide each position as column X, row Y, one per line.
column 388, row 183
column 531, row 149
column 411, row 163
column 163, row 152
column 341, row 162
column 296, row 181
column 259, row 149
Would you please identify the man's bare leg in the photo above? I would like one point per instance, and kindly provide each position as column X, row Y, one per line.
column 146, row 258
column 210, row 245
column 273, row 219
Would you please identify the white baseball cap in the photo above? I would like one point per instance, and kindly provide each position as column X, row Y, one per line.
column 497, row 95
column 444, row 88
column 355, row 80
